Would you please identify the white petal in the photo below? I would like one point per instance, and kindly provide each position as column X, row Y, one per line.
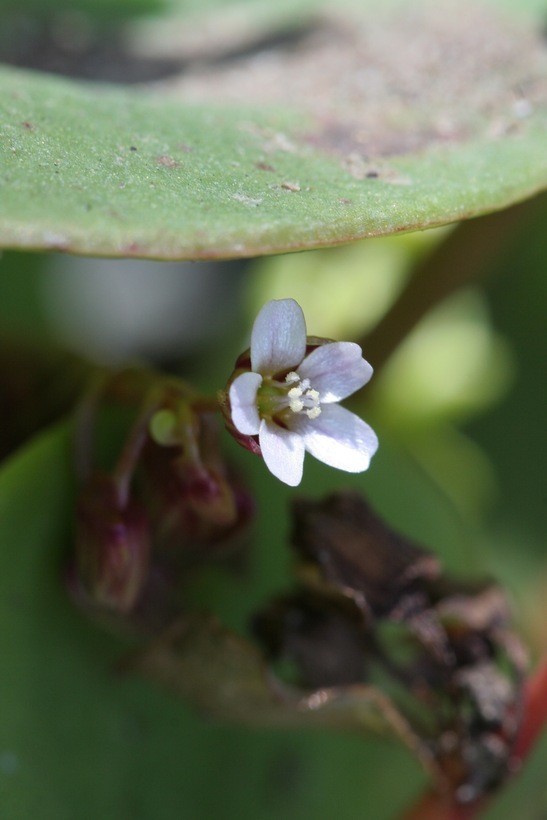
column 336, row 370
column 339, row 438
column 283, row 452
column 278, row 340
column 243, row 392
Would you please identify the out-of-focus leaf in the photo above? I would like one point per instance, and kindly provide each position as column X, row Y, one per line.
column 514, row 432
column 78, row 738
column 96, row 9
column 38, row 385
column 416, row 118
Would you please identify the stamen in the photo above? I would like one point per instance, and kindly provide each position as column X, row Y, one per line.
column 302, row 397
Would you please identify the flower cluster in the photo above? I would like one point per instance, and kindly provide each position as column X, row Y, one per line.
column 288, row 398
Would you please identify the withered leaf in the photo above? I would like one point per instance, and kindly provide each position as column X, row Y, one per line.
column 371, row 603
column 227, row 677
column 357, row 553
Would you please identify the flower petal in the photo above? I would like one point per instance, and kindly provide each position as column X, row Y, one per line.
column 336, row 370
column 243, row 405
column 283, row 452
column 339, row 438
column 278, row 340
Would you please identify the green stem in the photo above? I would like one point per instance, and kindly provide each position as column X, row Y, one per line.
column 138, row 435
column 205, row 404
column 85, row 424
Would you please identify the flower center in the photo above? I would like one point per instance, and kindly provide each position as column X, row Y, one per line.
column 295, row 395
column 302, row 397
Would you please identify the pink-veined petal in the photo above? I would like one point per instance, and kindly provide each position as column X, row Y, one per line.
column 339, row 438
column 278, row 340
column 283, row 452
column 336, row 370
column 243, row 392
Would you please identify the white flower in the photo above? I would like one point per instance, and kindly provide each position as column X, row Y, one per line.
column 288, row 399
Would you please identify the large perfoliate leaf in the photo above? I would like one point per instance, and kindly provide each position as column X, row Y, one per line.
column 362, row 122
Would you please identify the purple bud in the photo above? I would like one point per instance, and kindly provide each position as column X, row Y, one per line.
column 190, row 503
column 112, row 545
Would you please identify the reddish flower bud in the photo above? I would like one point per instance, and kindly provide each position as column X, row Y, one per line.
column 190, row 503
column 112, row 546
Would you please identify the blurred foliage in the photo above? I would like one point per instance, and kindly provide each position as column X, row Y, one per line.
column 107, row 11
column 361, row 280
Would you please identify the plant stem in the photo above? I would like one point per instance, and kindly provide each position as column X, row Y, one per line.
column 205, row 404
column 534, row 713
column 467, row 255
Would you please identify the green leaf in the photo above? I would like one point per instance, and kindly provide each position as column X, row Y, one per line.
column 358, row 123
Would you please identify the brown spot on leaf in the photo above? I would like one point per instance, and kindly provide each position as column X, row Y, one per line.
column 361, row 168
column 167, row 162
column 264, row 166
column 133, row 249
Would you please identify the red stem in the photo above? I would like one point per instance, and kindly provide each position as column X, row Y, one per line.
column 534, row 713
column 433, row 806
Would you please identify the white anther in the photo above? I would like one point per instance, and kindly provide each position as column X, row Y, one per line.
column 302, row 397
